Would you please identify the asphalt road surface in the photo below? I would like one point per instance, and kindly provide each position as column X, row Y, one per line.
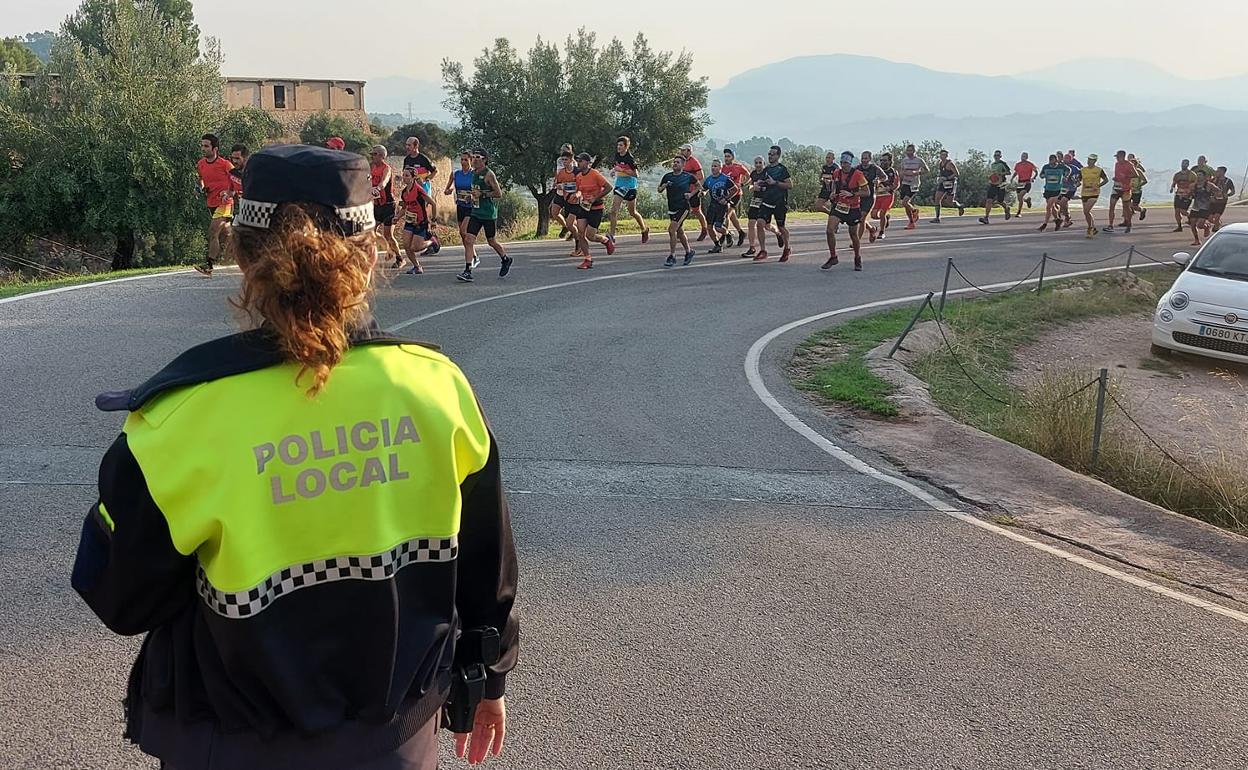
column 701, row 586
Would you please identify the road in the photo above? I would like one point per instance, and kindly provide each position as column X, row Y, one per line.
column 701, row 585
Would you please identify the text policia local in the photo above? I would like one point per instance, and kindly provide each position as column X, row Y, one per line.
column 351, row 443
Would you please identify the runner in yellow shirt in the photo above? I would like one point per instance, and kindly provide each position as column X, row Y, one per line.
column 1091, row 179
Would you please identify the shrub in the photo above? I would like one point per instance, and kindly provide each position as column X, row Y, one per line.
column 323, row 125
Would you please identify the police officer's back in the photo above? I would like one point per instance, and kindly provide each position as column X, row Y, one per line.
column 301, row 516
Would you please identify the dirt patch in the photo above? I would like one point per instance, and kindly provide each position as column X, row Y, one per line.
column 1193, row 406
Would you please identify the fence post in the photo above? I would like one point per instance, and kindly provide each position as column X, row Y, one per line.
column 1101, row 386
column 944, row 288
column 1044, row 260
column 1130, row 254
column 925, row 303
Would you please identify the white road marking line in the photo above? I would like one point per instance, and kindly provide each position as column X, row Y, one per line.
column 754, row 377
column 88, row 284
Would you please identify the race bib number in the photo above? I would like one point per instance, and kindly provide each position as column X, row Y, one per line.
column 947, row 184
column 586, row 203
column 827, row 179
column 569, row 188
column 842, row 208
column 756, row 203
column 463, row 197
column 412, row 217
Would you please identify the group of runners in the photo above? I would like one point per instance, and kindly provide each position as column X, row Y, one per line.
column 858, row 193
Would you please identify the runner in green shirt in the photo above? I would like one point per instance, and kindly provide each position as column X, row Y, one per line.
column 998, row 180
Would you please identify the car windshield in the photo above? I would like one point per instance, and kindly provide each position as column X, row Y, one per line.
column 1225, row 255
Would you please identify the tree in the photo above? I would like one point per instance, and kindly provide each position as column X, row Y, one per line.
column 523, row 109
column 109, row 146
column 250, row 126
column 40, row 43
column 435, row 141
column 89, row 23
column 15, row 56
column 972, row 171
column 323, row 125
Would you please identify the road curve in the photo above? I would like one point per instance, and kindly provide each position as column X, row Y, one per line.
column 701, row 585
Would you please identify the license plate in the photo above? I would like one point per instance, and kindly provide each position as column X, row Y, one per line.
column 1218, row 333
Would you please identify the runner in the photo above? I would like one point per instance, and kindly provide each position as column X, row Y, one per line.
column 218, row 189
column 947, row 185
column 417, row 210
column 460, row 184
column 720, row 190
column 592, row 188
column 1202, row 204
column 740, row 176
column 1181, row 186
column 1072, row 185
column 775, row 185
column 678, row 184
column 238, row 159
column 1224, row 188
column 873, row 173
column 694, row 166
column 912, row 169
column 425, row 172
column 1137, row 186
column 1124, row 175
column 998, row 180
column 1202, row 167
column 885, row 193
column 754, row 214
column 1091, row 179
column 381, row 177
column 484, row 216
column 1024, row 175
column 566, row 159
column 565, row 189
column 827, row 183
column 626, row 188
column 849, row 184
column 1054, row 175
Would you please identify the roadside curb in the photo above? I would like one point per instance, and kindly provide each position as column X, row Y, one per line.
column 1032, row 492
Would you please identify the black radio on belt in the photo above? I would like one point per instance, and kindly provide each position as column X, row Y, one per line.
column 476, row 649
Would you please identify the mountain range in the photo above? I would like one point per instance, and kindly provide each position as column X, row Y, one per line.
column 843, row 101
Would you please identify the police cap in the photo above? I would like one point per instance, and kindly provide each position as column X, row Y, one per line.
column 300, row 173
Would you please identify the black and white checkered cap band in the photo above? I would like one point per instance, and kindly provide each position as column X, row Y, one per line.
column 354, row 219
column 381, row 566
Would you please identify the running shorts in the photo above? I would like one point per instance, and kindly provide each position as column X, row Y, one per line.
column 462, row 213
column 866, row 203
column 1218, row 208
column 677, row 215
column 778, row 213
column 755, row 211
column 571, row 210
column 476, row 225
column 1053, row 194
column 1182, row 203
column 383, row 213
column 628, row 195
column 734, row 200
column 849, row 216
column 825, row 194
column 995, row 193
column 883, row 203
column 1136, row 197
column 716, row 213
column 948, row 187
column 1024, row 187
column 1198, row 214
column 1087, row 198
column 592, row 218
column 906, row 192
column 695, row 201
column 225, row 212
column 419, row 230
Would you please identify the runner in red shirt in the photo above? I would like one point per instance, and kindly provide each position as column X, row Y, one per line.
column 740, row 176
column 217, row 185
column 694, row 166
column 1124, row 175
column 849, row 185
column 1024, row 174
column 592, row 188
column 381, row 177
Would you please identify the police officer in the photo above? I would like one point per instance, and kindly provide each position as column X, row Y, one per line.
column 302, row 517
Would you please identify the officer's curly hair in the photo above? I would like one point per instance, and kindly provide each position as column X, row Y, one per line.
column 306, row 282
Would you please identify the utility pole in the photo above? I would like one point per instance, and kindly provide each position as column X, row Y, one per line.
column 409, row 112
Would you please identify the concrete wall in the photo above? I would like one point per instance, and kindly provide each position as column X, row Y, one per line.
column 300, row 99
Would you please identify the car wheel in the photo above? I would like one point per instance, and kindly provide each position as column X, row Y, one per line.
column 1160, row 352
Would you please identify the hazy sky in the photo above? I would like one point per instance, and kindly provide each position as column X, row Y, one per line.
column 334, row 38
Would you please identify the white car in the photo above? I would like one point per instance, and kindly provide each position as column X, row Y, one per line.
column 1205, row 312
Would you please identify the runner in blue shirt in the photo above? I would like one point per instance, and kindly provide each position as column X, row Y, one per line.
column 460, row 184
column 720, row 190
column 1055, row 175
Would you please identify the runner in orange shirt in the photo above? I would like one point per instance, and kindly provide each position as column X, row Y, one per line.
column 694, row 166
column 218, row 187
column 565, row 198
column 591, row 189
column 1024, row 174
column 739, row 173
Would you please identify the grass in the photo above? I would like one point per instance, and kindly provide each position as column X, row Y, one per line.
column 16, row 287
column 831, row 362
column 525, row 228
column 1041, row 416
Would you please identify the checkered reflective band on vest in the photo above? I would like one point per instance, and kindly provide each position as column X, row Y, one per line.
column 380, row 566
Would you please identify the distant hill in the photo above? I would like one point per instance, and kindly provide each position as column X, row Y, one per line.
column 396, row 94
column 40, row 44
column 1146, row 81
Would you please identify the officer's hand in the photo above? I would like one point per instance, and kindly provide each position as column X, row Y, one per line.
column 488, row 729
